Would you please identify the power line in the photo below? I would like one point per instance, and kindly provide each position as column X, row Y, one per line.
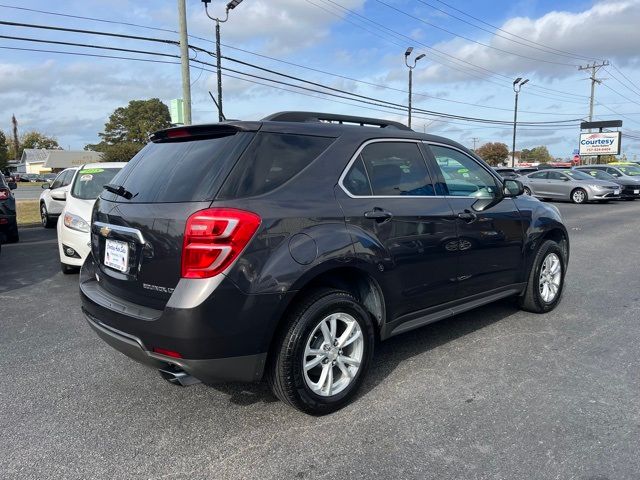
column 472, row 40
column 292, row 63
column 439, row 53
column 388, row 105
column 242, row 63
column 566, row 53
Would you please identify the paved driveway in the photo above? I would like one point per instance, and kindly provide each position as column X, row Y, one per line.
column 492, row 394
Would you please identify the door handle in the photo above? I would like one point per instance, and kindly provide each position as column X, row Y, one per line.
column 467, row 216
column 378, row 214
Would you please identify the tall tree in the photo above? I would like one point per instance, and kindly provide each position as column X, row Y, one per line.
column 536, row 155
column 128, row 129
column 494, row 153
column 4, row 151
column 35, row 139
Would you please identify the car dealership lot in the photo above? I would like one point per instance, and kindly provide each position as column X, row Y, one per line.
column 494, row 393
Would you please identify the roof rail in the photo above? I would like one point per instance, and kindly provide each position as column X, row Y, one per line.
column 333, row 118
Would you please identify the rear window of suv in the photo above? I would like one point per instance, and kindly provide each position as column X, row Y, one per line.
column 179, row 171
column 271, row 160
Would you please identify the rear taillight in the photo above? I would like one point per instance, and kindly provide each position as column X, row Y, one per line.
column 4, row 193
column 214, row 238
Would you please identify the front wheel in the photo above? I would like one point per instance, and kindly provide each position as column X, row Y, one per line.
column 323, row 354
column 45, row 218
column 579, row 195
column 546, row 279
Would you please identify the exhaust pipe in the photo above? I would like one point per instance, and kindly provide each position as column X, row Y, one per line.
column 177, row 376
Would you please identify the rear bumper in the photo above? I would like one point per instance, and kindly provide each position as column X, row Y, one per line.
column 247, row 368
column 8, row 224
column 226, row 337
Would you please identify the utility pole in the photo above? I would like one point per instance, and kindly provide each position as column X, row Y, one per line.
column 184, row 60
column 411, row 67
column 517, row 85
column 475, row 140
column 230, row 6
column 594, row 69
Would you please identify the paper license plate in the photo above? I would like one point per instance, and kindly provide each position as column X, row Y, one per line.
column 116, row 255
column 636, row 192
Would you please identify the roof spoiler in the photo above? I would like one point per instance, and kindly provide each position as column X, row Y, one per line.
column 305, row 117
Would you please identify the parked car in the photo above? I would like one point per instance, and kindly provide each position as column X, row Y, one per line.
column 8, row 219
column 286, row 246
column 54, row 195
column 630, row 189
column 73, row 229
column 568, row 184
column 626, row 170
column 507, row 172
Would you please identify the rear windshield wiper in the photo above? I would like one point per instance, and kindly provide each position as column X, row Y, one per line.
column 118, row 190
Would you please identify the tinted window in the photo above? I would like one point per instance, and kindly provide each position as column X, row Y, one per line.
column 599, row 174
column 179, row 171
column 357, row 181
column 68, row 177
column 89, row 182
column 270, row 161
column 538, row 175
column 613, row 171
column 463, row 175
column 396, row 168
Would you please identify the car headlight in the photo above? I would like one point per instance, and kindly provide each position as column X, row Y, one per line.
column 74, row 222
column 597, row 187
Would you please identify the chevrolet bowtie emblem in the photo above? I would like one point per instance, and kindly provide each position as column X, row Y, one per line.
column 105, row 231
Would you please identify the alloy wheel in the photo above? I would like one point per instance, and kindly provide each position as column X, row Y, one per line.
column 333, row 354
column 579, row 196
column 550, row 278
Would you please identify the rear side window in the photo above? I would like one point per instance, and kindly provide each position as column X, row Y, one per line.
column 179, row 171
column 539, row 175
column 396, row 169
column 271, row 160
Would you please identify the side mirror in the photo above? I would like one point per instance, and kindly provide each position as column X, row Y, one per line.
column 565, row 179
column 45, row 186
column 59, row 194
column 513, row 188
column 12, row 185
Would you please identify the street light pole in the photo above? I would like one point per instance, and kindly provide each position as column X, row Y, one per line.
column 411, row 67
column 230, row 6
column 517, row 85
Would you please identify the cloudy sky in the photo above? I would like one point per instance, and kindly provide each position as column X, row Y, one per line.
column 474, row 49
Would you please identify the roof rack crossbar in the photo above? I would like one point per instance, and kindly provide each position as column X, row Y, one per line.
column 303, row 117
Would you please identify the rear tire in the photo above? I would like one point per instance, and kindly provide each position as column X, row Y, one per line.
column 527, row 191
column 45, row 218
column 68, row 269
column 341, row 356
column 579, row 195
column 542, row 272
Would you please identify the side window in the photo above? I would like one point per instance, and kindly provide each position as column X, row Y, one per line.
column 463, row 175
column 270, row 161
column 356, row 181
column 68, row 177
column 556, row 176
column 613, row 171
column 57, row 183
column 538, row 175
column 396, row 169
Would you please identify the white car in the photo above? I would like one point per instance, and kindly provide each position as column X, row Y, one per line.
column 52, row 199
column 74, row 240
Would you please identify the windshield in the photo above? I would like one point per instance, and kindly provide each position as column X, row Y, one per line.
column 629, row 170
column 89, row 182
column 576, row 175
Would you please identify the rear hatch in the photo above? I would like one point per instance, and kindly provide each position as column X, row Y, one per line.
column 137, row 233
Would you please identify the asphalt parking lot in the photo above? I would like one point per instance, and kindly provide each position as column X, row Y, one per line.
column 492, row 394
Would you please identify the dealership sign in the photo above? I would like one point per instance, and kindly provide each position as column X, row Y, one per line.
column 603, row 143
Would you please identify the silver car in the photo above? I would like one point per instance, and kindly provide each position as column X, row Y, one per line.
column 573, row 185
